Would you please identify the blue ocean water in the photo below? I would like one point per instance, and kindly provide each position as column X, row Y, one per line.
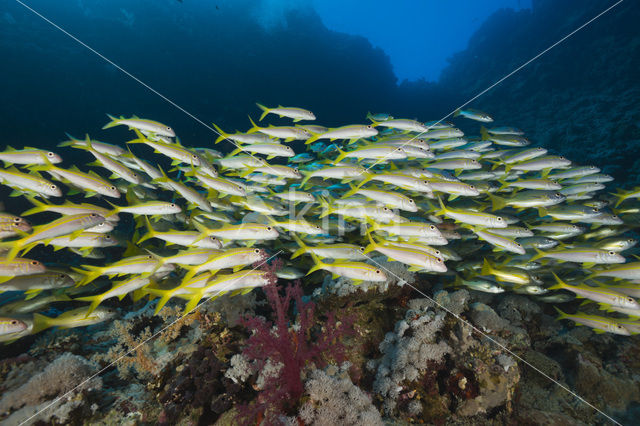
column 203, row 62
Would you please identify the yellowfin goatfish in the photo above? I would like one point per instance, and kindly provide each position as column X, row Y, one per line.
column 141, row 124
column 63, row 226
column 473, row 114
column 297, row 114
column 28, row 156
column 599, row 324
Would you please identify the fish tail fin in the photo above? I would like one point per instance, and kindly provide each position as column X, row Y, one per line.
column 353, row 189
column 196, row 297
column 484, row 134
column 303, row 247
column 562, row 315
column 114, row 122
column 497, row 203
column 165, row 296
column 456, row 113
column 542, row 212
column 326, row 206
column 14, row 248
column 487, row 267
column 95, row 302
column 341, row 156
column 305, row 179
column 150, row 231
column 560, row 284
column 312, row 139
column 39, row 206
column 540, row 254
column 372, row 244
column 457, row 282
column 90, row 273
column 254, row 127
column 317, row 264
column 442, row 210
column 264, row 109
column 503, row 182
column 621, row 195
column 221, row 133
column 41, row 322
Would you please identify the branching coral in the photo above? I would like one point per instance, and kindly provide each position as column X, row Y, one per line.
column 333, row 399
column 293, row 347
column 62, row 375
column 408, row 350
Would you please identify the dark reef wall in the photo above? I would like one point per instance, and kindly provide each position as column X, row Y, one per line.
column 581, row 99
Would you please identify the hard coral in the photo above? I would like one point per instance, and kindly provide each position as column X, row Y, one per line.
column 293, row 347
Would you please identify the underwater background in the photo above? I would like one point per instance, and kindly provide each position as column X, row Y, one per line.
column 216, row 59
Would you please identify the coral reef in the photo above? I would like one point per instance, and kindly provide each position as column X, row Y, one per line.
column 68, row 377
column 333, row 399
column 287, row 349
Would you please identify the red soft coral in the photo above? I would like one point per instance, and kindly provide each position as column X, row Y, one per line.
column 293, row 347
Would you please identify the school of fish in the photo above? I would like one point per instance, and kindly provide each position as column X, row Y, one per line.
column 484, row 212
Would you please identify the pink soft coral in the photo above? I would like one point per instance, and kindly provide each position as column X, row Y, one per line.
column 293, row 347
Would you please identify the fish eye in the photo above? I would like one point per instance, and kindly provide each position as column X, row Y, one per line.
column 172, row 205
column 499, row 219
column 472, row 187
column 269, row 228
column 411, row 201
column 257, row 251
column 149, row 257
column 112, row 188
column 295, row 170
column 439, row 260
column 361, row 248
column 53, row 187
column 432, row 227
column 61, row 275
column 558, row 194
column 561, row 158
column 50, row 154
column 611, row 253
column 168, row 128
column 537, row 278
column 518, row 244
column 17, row 219
column 378, row 271
column 93, row 215
column 194, row 156
column 369, row 127
column 14, row 322
column 630, row 240
column 35, row 262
